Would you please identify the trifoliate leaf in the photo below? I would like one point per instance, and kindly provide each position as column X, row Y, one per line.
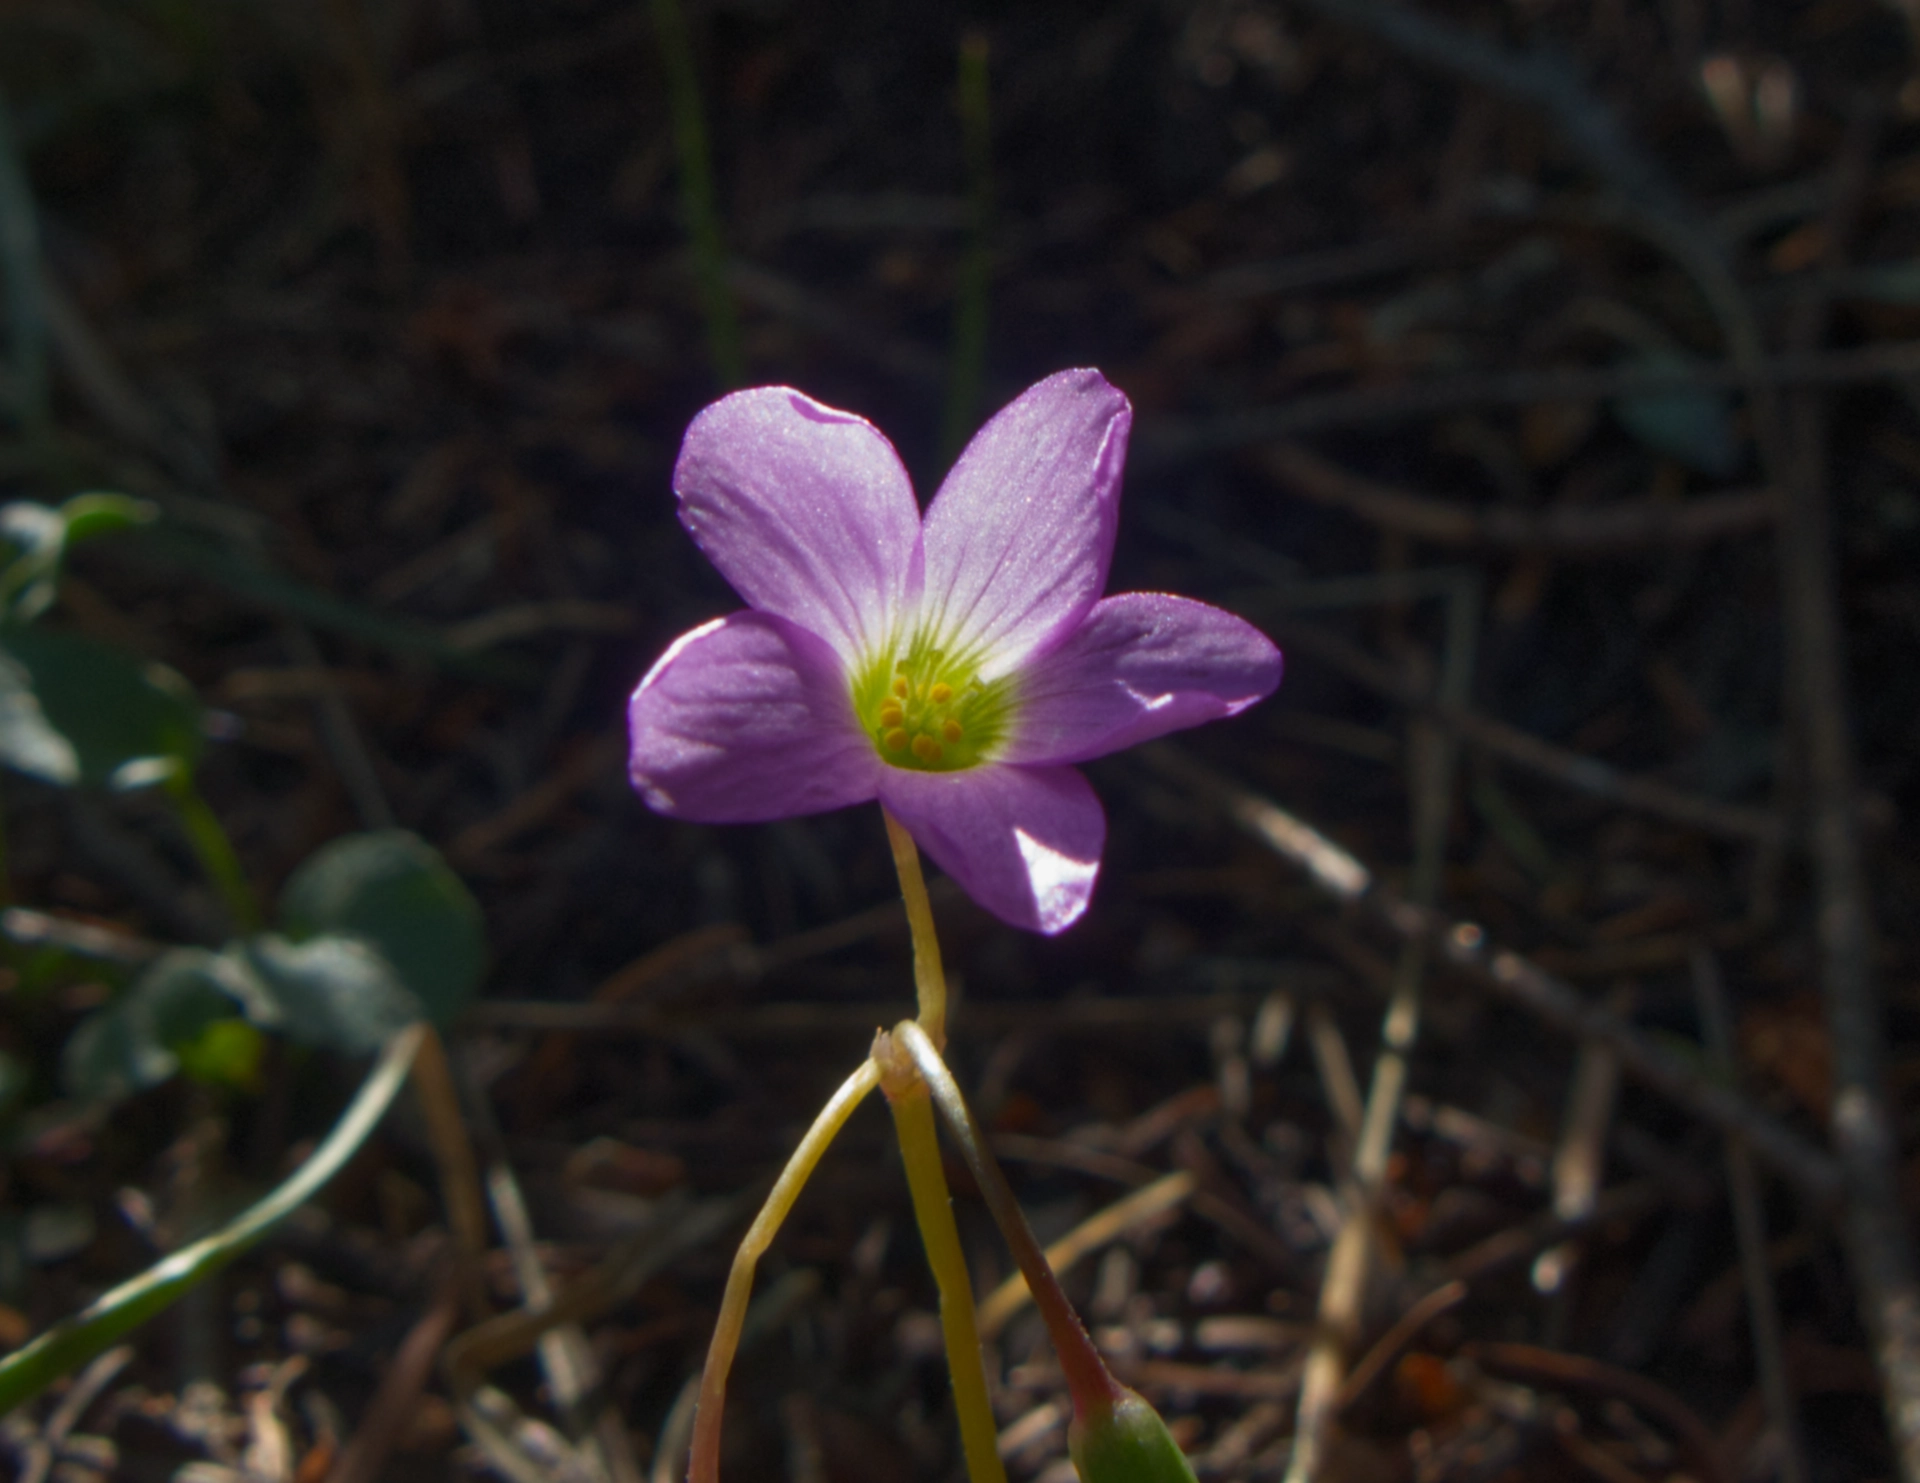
column 102, row 512
column 35, row 538
column 226, row 1053
column 181, row 993
column 394, row 889
column 76, row 711
column 112, row 1054
column 335, row 991
column 137, row 1041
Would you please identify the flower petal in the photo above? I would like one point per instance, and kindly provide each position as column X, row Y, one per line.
column 806, row 511
column 1020, row 536
column 1142, row 664
column 1024, row 842
column 745, row 719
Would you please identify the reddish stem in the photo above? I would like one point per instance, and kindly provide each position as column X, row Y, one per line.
column 1094, row 1390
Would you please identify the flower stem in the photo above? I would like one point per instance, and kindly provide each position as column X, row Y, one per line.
column 933, row 1209
column 703, row 1465
column 929, row 979
column 1095, row 1392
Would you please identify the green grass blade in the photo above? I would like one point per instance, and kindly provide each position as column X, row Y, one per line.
column 697, row 193
column 255, row 583
column 20, row 273
column 73, row 1341
column 967, row 374
column 214, row 849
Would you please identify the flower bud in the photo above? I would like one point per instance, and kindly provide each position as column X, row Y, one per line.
column 1127, row 1444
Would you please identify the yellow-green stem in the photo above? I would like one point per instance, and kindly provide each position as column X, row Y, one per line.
column 933, row 1209
column 703, row 1465
column 929, row 979
column 1094, row 1390
column 215, row 849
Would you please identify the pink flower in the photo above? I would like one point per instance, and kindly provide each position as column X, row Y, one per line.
column 954, row 667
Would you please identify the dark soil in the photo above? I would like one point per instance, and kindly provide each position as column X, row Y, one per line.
column 400, row 296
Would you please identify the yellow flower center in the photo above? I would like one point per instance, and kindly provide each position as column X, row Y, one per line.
column 927, row 709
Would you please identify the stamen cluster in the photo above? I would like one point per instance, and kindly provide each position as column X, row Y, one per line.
column 929, row 711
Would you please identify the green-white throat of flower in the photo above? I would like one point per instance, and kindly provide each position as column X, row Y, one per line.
column 926, row 708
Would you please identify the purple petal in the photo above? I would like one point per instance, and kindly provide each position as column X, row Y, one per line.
column 745, row 719
column 1024, row 842
column 1142, row 664
column 805, row 510
column 1019, row 538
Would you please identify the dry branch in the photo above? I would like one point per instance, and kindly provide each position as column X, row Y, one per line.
column 1574, row 530
column 1465, row 948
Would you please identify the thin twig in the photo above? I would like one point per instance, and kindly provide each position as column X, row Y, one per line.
column 340, row 731
column 1343, row 1290
column 1239, row 1223
column 572, row 1372
column 1544, row 80
column 1879, row 1240
column 1171, row 439
column 679, row 1227
column 1278, row 604
column 397, row 1400
column 1750, row 1228
column 1509, row 743
column 31, row 928
column 1548, row 1367
column 1406, row 1328
column 1579, row 1161
column 782, row 1021
column 1338, row 1084
column 1465, row 948
column 1567, row 530
column 439, row 1100
column 1623, row 1204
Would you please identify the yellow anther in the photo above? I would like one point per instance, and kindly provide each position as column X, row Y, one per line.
column 923, row 706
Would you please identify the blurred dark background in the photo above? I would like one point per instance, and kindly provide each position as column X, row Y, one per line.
column 397, row 301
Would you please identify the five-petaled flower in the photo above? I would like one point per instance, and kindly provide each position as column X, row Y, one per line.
column 954, row 667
